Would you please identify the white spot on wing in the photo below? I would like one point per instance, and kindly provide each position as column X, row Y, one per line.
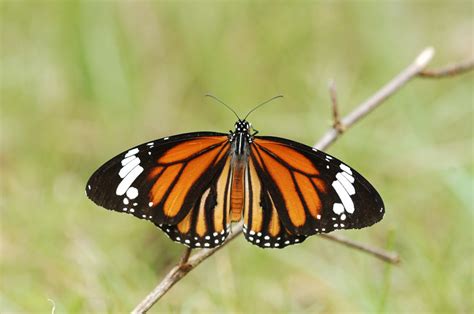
column 348, row 177
column 346, row 168
column 337, row 208
column 345, row 183
column 131, row 152
column 129, row 166
column 344, row 196
column 132, row 193
column 127, row 160
column 128, row 180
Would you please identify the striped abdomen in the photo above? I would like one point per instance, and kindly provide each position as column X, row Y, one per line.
column 237, row 191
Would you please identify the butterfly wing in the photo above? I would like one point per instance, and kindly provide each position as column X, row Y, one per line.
column 301, row 191
column 262, row 224
column 177, row 182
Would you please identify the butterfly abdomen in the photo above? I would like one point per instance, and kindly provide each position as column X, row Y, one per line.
column 237, row 192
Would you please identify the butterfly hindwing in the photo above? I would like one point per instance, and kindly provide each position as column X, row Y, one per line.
column 262, row 224
column 160, row 180
column 207, row 224
column 313, row 192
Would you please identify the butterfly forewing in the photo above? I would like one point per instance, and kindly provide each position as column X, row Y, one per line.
column 161, row 180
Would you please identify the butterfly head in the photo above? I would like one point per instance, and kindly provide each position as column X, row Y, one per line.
column 242, row 126
column 242, row 132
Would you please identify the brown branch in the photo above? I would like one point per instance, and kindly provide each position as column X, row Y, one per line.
column 178, row 272
column 389, row 257
column 362, row 110
column 337, row 125
column 378, row 98
column 185, row 257
column 448, row 71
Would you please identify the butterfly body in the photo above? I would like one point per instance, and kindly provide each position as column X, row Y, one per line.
column 240, row 139
column 194, row 185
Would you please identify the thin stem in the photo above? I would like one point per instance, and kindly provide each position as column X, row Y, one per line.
column 389, row 257
column 337, row 125
column 178, row 272
column 448, row 71
column 379, row 97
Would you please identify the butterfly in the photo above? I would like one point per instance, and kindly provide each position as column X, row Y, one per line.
column 193, row 186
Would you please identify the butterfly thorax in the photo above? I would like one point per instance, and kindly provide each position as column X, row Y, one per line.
column 240, row 140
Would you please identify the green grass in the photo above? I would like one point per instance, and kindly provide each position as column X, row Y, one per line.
column 82, row 81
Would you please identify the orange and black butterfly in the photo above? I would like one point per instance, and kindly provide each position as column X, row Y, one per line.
column 194, row 185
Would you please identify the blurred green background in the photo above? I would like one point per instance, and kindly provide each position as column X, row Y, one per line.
column 83, row 81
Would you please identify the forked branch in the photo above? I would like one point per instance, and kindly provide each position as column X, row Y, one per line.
column 416, row 69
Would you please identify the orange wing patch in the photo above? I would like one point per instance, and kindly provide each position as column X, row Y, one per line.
column 274, row 227
column 221, row 206
column 202, row 227
column 189, row 148
column 284, row 180
column 310, row 196
column 185, row 224
column 289, row 156
column 298, row 186
column 163, row 183
column 191, row 172
column 179, row 170
column 262, row 224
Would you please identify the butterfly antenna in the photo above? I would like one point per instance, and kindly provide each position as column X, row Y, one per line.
column 263, row 103
column 215, row 98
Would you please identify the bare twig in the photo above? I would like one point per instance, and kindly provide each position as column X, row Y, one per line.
column 177, row 272
column 377, row 99
column 362, row 110
column 448, row 71
column 389, row 257
column 185, row 257
column 337, row 125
